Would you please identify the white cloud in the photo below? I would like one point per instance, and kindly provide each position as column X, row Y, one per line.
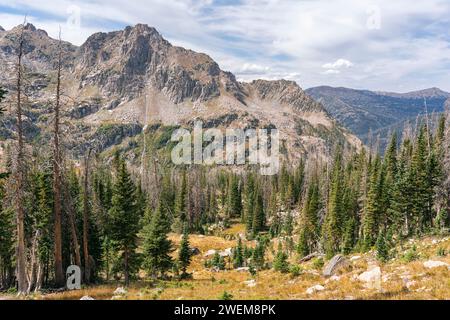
column 331, row 71
column 282, row 38
column 338, row 64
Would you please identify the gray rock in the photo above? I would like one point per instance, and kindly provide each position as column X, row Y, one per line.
column 87, row 298
column 336, row 263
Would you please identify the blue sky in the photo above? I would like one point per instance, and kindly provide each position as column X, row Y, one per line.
column 389, row 45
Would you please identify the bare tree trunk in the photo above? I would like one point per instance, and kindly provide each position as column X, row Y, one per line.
column 59, row 274
column 33, row 262
column 73, row 229
column 19, row 177
column 39, row 277
column 87, row 268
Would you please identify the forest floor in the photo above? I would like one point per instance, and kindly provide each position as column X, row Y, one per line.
column 409, row 276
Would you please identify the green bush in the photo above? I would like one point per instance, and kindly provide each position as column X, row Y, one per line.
column 295, row 270
column 441, row 252
column 411, row 255
column 226, row 296
column 318, row 263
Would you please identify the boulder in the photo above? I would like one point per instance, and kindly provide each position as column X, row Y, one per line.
column 210, row 253
column 336, row 263
column 332, row 279
column 430, row 264
column 87, row 298
column 226, row 253
column 315, row 289
column 243, row 269
column 195, row 251
column 371, row 278
column 250, row 283
column 120, row 291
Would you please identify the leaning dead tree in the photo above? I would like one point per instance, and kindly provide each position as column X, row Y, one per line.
column 19, row 175
column 57, row 163
column 87, row 268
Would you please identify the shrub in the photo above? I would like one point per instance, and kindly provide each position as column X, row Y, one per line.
column 411, row 254
column 226, row 296
column 295, row 270
column 441, row 252
column 280, row 263
column 318, row 263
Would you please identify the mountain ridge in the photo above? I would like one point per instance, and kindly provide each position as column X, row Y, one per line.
column 136, row 77
column 365, row 111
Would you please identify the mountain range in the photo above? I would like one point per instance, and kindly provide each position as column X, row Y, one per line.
column 369, row 114
column 120, row 83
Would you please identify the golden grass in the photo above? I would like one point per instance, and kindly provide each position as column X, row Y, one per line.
column 206, row 285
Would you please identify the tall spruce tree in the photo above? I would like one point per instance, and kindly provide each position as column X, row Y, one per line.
column 309, row 220
column 6, row 239
column 419, row 178
column 184, row 254
column 238, row 255
column 180, row 206
column 259, row 216
column 124, row 218
column 234, row 206
column 372, row 208
column 249, row 202
column 156, row 245
column 332, row 227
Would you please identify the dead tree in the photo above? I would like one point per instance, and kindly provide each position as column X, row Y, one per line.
column 59, row 273
column 19, row 178
column 72, row 225
column 87, row 268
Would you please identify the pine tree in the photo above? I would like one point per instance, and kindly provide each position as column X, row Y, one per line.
column 124, row 218
column 184, row 254
column 382, row 249
column 332, row 228
column 258, row 257
column 238, row 257
column 391, row 174
column 309, row 225
column 372, row 208
column 349, row 236
column 42, row 217
column 6, row 240
column 234, row 205
column 180, row 206
column 249, row 203
column 156, row 246
column 419, row 177
column 280, row 262
column 259, row 216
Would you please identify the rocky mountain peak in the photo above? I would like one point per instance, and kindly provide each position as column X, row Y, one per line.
column 286, row 92
column 39, row 49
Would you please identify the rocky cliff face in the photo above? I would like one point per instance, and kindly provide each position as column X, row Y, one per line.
column 134, row 76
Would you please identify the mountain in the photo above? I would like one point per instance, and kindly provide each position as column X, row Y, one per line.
column 368, row 113
column 120, row 83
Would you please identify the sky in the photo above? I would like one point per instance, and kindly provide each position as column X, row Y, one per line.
column 382, row 45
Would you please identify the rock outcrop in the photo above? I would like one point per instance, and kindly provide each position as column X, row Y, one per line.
column 334, row 265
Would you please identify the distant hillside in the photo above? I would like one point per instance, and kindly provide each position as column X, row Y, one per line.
column 365, row 112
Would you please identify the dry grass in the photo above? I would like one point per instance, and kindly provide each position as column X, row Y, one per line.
column 206, row 284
